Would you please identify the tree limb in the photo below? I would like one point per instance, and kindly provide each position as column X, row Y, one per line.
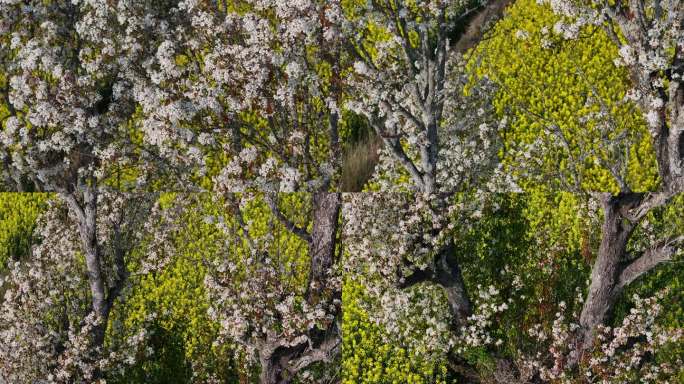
column 325, row 352
column 418, row 276
column 648, row 202
column 659, row 253
column 394, row 144
column 287, row 223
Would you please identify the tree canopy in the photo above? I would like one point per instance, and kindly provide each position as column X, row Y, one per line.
column 345, row 191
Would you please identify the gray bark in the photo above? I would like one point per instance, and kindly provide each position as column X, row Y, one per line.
column 274, row 366
column 280, row 363
column 326, row 211
column 86, row 216
column 83, row 204
column 605, row 272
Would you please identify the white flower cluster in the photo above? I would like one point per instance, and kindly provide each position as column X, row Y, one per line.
column 477, row 333
column 610, row 360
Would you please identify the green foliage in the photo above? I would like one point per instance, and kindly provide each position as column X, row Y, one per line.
column 529, row 246
column 368, row 358
column 173, row 304
column 547, row 85
column 18, row 214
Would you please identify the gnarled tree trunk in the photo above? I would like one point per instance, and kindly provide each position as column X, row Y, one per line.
column 615, row 268
column 274, row 365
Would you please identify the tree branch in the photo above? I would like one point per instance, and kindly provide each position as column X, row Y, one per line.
column 132, row 222
column 394, row 144
column 287, row 223
column 73, row 205
column 659, row 253
column 325, row 352
column 647, row 203
column 418, row 276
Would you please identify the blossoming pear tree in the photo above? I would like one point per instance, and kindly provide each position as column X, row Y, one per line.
column 229, row 81
column 651, row 46
column 254, row 93
column 408, row 81
column 67, row 74
column 248, row 93
column 406, row 256
column 276, row 292
column 58, row 299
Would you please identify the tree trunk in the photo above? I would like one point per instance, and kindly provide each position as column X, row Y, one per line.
column 450, row 278
column 605, row 273
column 271, row 371
column 429, row 154
column 87, row 227
column 86, row 215
column 326, row 211
column 276, row 363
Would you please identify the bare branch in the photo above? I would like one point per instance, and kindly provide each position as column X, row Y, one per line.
column 648, row 202
column 659, row 253
column 417, row 277
column 287, row 223
column 325, row 352
column 74, row 205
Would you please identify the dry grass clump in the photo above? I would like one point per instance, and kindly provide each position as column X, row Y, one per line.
column 359, row 163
